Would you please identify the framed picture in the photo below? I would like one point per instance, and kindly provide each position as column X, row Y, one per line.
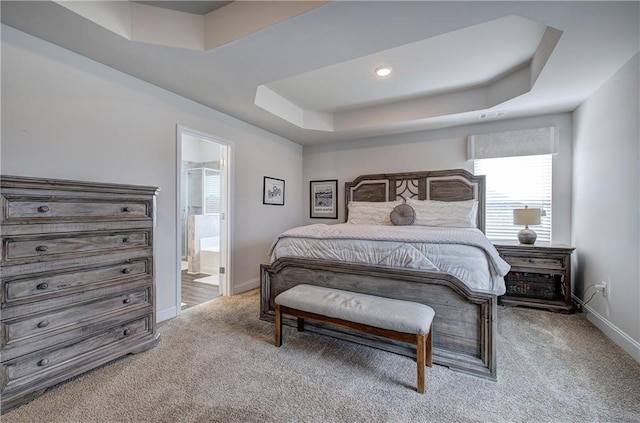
column 324, row 199
column 273, row 191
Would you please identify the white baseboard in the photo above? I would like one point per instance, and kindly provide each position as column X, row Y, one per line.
column 166, row 314
column 611, row 331
column 245, row 286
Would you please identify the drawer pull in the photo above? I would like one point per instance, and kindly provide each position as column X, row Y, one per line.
column 126, row 209
column 43, row 324
column 126, row 270
column 126, row 301
column 43, row 362
column 42, row 286
column 41, row 248
column 43, row 209
column 127, row 332
column 125, row 239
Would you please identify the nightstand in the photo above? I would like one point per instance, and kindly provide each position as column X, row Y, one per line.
column 540, row 275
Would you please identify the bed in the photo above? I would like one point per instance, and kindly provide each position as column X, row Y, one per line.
column 465, row 322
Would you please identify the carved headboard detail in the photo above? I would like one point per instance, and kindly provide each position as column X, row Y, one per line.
column 440, row 185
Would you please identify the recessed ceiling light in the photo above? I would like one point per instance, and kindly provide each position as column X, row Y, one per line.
column 383, row 70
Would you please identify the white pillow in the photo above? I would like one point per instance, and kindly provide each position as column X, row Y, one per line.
column 371, row 212
column 450, row 214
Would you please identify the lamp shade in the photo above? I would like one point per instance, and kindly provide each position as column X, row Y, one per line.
column 526, row 216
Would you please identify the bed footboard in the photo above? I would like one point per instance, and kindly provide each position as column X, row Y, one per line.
column 463, row 329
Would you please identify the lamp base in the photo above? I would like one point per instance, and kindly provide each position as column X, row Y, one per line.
column 527, row 236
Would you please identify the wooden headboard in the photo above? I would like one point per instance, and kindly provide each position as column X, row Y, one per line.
column 440, row 185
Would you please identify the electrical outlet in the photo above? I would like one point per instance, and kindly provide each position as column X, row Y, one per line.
column 603, row 288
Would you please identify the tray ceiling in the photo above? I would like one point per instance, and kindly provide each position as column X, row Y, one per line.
column 304, row 70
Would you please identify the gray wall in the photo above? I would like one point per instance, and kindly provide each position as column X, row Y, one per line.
column 433, row 150
column 606, row 204
column 64, row 116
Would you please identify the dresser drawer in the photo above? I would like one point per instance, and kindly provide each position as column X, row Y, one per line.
column 31, row 210
column 39, row 287
column 548, row 263
column 33, row 249
column 42, row 325
column 48, row 363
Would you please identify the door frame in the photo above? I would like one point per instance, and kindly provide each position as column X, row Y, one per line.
column 226, row 238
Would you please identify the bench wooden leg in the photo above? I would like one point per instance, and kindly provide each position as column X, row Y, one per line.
column 430, row 347
column 421, row 352
column 300, row 324
column 278, row 329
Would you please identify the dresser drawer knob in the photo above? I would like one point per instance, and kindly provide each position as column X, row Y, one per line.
column 43, row 209
column 43, row 362
column 41, row 248
column 127, row 332
column 126, row 301
column 43, row 324
column 126, row 270
column 126, row 209
column 42, row 286
column 125, row 239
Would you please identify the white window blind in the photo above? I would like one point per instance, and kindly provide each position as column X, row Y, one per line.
column 211, row 192
column 515, row 182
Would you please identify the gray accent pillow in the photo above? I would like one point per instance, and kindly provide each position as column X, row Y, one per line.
column 403, row 215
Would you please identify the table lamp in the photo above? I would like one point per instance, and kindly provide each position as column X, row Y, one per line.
column 526, row 217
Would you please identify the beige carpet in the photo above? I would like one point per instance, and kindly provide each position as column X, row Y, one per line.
column 216, row 363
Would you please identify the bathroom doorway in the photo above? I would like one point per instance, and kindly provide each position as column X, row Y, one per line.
column 203, row 218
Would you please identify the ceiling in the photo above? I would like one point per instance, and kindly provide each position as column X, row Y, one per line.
column 196, row 7
column 304, row 70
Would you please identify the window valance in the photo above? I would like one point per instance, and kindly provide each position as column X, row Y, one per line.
column 525, row 142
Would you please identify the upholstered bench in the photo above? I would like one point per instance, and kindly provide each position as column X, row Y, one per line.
column 394, row 319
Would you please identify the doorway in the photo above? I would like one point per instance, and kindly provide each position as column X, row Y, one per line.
column 203, row 218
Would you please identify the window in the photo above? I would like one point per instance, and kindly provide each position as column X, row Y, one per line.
column 515, row 182
column 211, row 191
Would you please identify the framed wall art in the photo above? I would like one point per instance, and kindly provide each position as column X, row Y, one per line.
column 273, row 191
column 324, row 199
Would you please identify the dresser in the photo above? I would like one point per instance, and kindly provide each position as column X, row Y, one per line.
column 540, row 275
column 76, row 277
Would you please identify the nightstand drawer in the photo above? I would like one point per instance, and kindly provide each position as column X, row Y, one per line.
column 549, row 263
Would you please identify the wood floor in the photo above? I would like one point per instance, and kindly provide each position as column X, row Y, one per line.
column 194, row 293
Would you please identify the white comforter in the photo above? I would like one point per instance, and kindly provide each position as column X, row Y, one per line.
column 463, row 252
